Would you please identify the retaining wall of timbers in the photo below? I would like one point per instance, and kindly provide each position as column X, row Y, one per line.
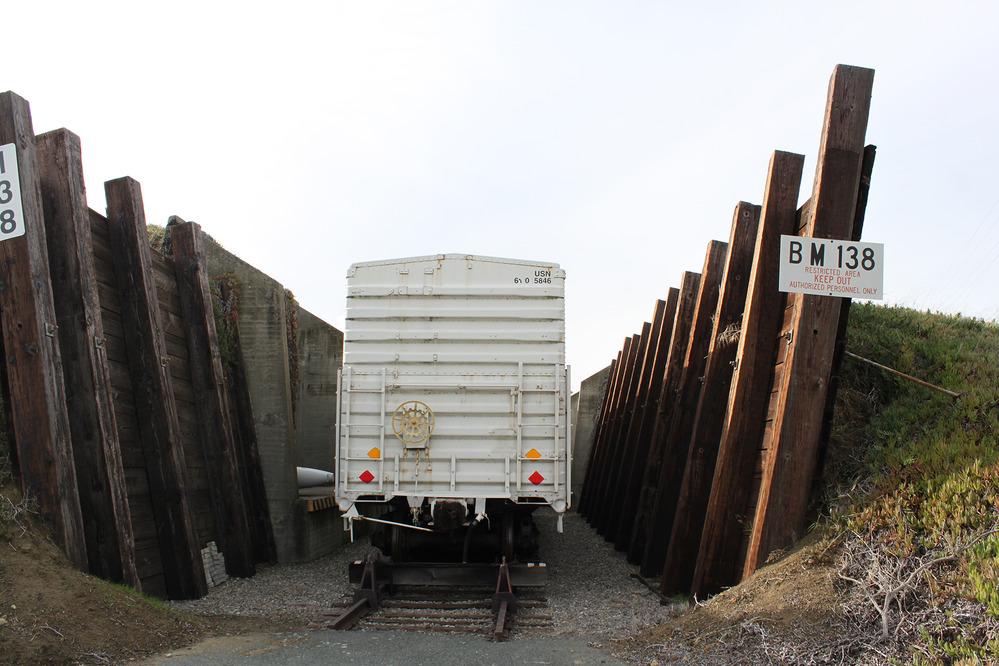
column 141, row 442
column 715, row 418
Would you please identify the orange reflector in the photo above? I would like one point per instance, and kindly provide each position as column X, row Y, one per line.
column 532, row 454
column 375, row 453
column 368, row 477
column 536, row 478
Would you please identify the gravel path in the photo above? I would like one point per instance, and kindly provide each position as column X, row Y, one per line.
column 590, row 588
column 591, row 592
column 292, row 591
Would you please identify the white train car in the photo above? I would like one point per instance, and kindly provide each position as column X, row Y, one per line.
column 453, row 399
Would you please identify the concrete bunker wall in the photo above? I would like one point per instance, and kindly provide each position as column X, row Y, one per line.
column 291, row 359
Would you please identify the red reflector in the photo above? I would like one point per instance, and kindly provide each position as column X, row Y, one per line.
column 366, row 476
column 536, row 478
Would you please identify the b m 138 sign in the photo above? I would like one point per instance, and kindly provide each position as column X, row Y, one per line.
column 11, row 214
column 826, row 267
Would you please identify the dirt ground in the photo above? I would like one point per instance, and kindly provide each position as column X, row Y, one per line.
column 776, row 615
column 52, row 614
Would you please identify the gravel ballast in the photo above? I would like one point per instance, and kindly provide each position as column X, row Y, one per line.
column 590, row 589
column 291, row 591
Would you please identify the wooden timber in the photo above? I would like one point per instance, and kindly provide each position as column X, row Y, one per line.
column 718, row 559
column 680, row 328
column 793, row 440
column 614, row 436
column 604, row 434
column 595, row 451
column 681, row 553
column 33, row 363
column 632, row 397
column 153, row 391
column 96, row 450
column 638, row 429
column 209, row 384
column 674, row 451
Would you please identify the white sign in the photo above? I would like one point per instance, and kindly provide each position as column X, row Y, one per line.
column 825, row 267
column 11, row 215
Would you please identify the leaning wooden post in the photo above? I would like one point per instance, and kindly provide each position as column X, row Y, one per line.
column 606, row 443
column 710, row 412
column 596, row 464
column 614, row 436
column 718, row 560
column 795, row 439
column 153, row 391
column 628, row 460
column 679, row 337
column 674, row 451
column 37, row 392
column 99, row 471
column 607, row 433
column 592, row 461
column 591, row 469
column 607, row 516
column 631, row 484
column 212, row 403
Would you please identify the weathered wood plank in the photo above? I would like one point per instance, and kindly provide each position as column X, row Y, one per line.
column 600, row 469
column 793, row 456
column 640, row 385
column 680, row 335
column 633, row 483
column 153, row 391
column 674, row 452
column 717, row 564
column 36, row 389
column 211, row 401
column 653, row 367
column 614, row 436
column 681, row 553
column 606, row 431
column 595, row 451
column 616, row 462
column 96, row 451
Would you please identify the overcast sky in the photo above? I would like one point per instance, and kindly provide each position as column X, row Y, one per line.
column 614, row 138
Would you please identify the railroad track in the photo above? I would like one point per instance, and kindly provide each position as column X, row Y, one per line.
column 465, row 598
column 459, row 610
